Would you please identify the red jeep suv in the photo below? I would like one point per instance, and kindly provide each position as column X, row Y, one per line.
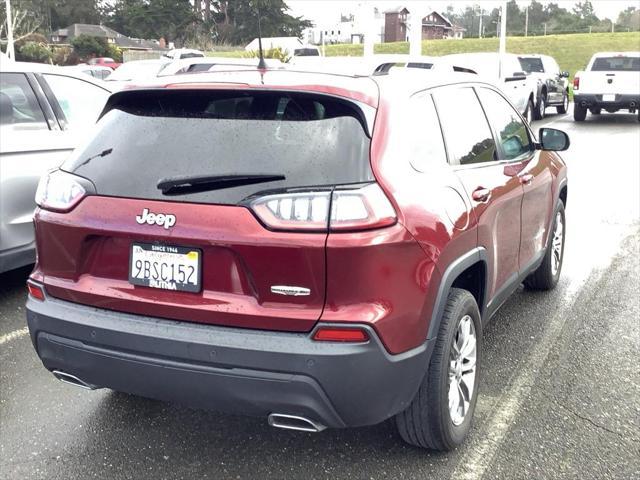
column 319, row 250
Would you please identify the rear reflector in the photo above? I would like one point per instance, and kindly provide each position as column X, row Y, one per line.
column 336, row 334
column 35, row 291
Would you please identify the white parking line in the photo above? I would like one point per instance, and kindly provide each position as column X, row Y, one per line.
column 7, row 337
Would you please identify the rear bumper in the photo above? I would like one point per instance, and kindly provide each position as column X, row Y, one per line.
column 233, row 370
column 621, row 101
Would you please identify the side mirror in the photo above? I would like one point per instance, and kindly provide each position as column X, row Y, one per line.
column 564, row 74
column 554, row 140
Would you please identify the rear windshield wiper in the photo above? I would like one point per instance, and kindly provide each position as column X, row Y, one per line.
column 204, row 183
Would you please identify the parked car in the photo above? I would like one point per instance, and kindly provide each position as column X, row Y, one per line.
column 44, row 114
column 375, row 64
column 135, row 71
column 95, row 71
column 104, row 62
column 610, row 82
column 205, row 64
column 182, row 53
column 302, row 253
column 553, row 84
column 506, row 72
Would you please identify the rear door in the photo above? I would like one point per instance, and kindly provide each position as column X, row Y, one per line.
column 529, row 166
column 554, row 81
column 494, row 190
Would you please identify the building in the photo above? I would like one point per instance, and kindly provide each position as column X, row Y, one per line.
column 395, row 25
column 65, row 35
column 434, row 26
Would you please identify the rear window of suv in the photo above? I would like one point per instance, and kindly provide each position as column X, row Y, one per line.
column 616, row 64
column 151, row 136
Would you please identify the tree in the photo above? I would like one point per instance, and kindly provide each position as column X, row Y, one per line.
column 26, row 19
column 62, row 13
column 87, row 46
column 173, row 20
column 237, row 21
column 629, row 18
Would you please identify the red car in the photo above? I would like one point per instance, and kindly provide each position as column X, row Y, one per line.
column 104, row 62
column 318, row 250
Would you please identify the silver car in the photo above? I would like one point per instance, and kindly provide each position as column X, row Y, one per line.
column 45, row 111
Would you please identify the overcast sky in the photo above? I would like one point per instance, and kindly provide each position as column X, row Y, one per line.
column 328, row 11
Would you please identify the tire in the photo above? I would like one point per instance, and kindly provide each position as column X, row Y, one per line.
column 541, row 107
column 595, row 111
column 428, row 421
column 579, row 113
column 528, row 113
column 546, row 276
column 562, row 109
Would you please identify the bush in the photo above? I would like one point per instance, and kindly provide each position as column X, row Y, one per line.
column 63, row 55
column 277, row 53
column 33, row 52
column 87, row 46
column 114, row 52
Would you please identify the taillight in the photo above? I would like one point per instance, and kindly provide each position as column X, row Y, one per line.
column 36, row 291
column 338, row 334
column 59, row 191
column 343, row 209
column 576, row 83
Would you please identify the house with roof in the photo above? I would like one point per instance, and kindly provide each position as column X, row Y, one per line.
column 64, row 36
column 434, row 26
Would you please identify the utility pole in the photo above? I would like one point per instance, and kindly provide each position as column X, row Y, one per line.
column 369, row 24
column 545, row 29
column 415, row 34
column 480, row 24
column 589, row 29
column 526, row 20
column 503, row 28
column 613, row 25
column 10, row 50
column 503, row 34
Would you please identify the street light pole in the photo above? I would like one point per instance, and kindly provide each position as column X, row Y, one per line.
column 10, row 50
column 480, row 24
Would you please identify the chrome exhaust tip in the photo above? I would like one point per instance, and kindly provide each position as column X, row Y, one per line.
column 65, row 377
column 294, row 422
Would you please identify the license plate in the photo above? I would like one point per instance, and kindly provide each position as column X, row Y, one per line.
column 609, row 98
column 165, row 266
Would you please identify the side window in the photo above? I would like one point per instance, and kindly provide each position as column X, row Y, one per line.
column 19, row 108
column 465, row 126
column 80, row 101
column 511, row 131
column 424, row 134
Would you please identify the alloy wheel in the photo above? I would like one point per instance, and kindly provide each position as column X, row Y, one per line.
column 462, row 370
column 557, row 245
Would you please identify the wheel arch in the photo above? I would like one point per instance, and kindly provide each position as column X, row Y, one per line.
column 468, row 272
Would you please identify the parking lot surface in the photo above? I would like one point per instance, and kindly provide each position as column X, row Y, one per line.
column 559, row 395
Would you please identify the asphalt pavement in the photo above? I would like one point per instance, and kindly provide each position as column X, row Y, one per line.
column 559, row 394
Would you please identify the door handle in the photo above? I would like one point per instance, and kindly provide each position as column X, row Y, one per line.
column 526, row 178
column 481, row 194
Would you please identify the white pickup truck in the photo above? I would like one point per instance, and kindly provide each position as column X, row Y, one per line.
column 610, row 82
